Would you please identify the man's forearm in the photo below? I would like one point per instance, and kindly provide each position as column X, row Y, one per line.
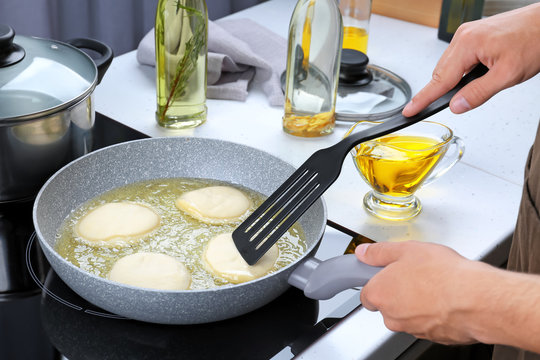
column 505, row 308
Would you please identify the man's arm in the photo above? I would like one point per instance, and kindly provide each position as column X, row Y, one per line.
column 432, row 292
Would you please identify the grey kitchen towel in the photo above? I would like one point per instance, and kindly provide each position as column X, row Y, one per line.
column 239, row 52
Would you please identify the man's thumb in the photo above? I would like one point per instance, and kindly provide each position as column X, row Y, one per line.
column 380, row 254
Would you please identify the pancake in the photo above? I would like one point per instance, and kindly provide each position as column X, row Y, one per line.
column 116, row 224
column 151, row 270
column 215, row 204
column 223, row 259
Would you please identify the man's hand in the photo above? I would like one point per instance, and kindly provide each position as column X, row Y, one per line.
column 425, row 289
column 508, row 44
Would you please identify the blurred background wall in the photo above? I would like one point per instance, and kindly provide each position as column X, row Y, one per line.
column 122, row 23
column 119, row 23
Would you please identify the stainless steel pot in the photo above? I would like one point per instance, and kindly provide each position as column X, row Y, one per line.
column 46, row 107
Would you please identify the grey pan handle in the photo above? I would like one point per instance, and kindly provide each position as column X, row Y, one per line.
column 321, row 280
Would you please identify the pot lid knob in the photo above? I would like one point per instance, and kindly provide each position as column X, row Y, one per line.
column 10, row 53
column 353, row 69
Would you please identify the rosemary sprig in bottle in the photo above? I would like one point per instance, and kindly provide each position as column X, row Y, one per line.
column 187, row 65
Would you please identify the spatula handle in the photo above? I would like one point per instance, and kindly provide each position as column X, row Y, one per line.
column 321, row 280
column 399, row 122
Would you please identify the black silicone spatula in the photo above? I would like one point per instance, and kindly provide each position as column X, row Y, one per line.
column 285, row 206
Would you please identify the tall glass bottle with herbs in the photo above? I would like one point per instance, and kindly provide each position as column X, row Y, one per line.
column 314, row 53
column 181, row 36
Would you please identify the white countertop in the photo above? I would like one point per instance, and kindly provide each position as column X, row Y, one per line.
column 472, row 208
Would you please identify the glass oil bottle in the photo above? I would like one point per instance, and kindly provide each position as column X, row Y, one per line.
column 313, row 57
column 181, row 36
column 456, row 12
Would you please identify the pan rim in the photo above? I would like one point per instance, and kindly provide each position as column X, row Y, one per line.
column 50, row 249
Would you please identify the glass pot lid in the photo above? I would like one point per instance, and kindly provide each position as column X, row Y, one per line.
column 39, row 77
column 385, row 95
column 368, row 92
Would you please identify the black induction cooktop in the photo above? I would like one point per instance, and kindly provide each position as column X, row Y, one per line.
column 23, row 268
column 42, row 318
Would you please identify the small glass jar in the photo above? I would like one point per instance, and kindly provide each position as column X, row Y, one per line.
column 356, row 15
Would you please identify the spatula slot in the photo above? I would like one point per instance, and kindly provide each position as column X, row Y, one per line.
column 285, row 206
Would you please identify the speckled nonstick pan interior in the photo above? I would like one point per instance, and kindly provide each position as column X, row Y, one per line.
column 117, row 165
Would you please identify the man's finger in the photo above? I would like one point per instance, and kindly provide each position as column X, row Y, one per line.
column 456, row 61
column 479, row 91
column 364, row 296
column 379, row 254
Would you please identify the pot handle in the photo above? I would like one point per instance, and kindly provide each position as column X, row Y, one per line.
column 104, row 61
column 322, row 280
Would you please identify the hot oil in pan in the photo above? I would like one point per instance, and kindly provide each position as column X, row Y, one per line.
column 179, row 235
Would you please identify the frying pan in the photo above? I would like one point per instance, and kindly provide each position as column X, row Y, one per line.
column 139, row 160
